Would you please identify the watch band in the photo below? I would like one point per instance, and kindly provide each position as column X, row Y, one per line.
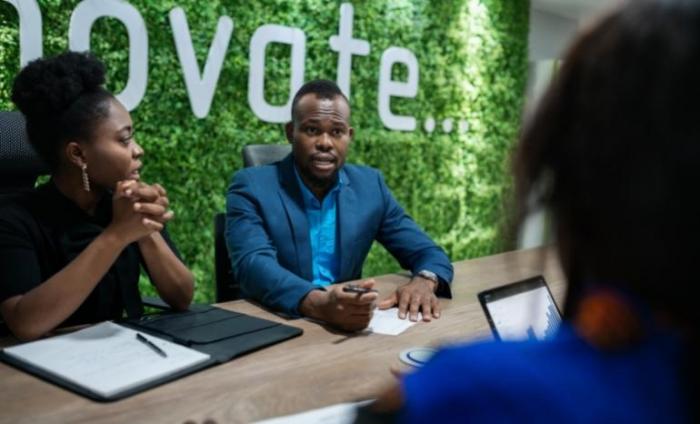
column 429, row 275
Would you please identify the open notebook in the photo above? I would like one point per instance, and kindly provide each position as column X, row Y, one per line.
column 106, row 360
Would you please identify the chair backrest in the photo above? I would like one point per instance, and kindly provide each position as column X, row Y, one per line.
column 20, row 165
column 226, row 286
column 263, row 154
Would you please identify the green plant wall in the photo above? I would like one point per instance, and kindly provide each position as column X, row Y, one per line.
column 473, row 63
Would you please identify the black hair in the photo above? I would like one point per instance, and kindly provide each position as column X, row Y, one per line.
column 62, row 98
column 613, row 152
column 323, row 89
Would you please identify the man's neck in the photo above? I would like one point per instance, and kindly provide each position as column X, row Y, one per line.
column 320, row 190
column 317, row 187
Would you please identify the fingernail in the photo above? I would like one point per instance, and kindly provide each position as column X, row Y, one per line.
column 137, row 206
column 128, row 192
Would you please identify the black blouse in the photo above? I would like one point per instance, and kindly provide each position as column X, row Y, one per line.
column 41, row 231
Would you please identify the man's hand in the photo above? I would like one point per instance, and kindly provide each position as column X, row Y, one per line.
column 346, row 311
column 417, row 294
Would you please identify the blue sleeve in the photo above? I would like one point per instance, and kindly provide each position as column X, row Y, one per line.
column 253, row 255
column 404, row 239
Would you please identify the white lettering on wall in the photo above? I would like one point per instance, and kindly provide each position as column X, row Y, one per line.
column 81, row 21
column 389, row 88
column 263, row 36
column 30, row 32
column 201, row 83
column 200, row 89
column 346, row 46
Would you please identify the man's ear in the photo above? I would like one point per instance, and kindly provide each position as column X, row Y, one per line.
column 351, row 132
column 75, row 154
column 289, row 131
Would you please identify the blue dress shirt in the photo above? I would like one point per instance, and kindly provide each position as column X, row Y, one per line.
column 322, row 215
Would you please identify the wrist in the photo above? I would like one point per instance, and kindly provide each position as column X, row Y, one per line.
column 312, row 304
column 113, row 239
column 149, row 239
column 430, row 278
column 432, row 285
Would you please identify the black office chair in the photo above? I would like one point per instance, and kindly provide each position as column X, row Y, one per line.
column 253, row 155
column 20, row 166
column 264, row 154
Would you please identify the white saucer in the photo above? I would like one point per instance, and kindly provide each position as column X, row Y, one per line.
column 417, row 356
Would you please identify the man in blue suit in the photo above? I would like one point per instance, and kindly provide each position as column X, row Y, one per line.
column 299, row 226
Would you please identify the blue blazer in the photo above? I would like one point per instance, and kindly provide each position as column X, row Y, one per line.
column 267, row 233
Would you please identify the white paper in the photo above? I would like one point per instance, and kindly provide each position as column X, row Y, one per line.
column 342, row 413
column 387, row 322
column 106, row 358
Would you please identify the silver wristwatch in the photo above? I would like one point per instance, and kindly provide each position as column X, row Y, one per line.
column 429, row 275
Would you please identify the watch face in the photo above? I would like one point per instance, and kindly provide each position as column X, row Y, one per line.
column 429, row 275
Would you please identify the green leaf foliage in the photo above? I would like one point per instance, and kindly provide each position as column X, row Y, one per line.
column 472, row 56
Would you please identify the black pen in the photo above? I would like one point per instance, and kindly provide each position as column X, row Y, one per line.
column 150, row 344
column 352, row 288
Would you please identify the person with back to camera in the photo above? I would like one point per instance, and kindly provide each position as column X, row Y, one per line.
column 71, row 249
column 613, row 152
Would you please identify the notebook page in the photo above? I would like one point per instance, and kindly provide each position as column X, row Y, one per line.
column 106, row 358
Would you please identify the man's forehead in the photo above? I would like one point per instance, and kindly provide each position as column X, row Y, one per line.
column 312, row 105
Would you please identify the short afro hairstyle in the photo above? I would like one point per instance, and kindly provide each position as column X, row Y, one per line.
column 323, row 89
column 62, row 98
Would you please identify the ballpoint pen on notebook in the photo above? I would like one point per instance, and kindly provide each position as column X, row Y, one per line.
column 150, row 344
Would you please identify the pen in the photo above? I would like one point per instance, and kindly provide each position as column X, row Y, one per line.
column 352, row 288
column 150, row 344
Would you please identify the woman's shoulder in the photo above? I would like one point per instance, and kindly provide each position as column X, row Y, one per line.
column 17, row 205
column 26, row 208
column 488, row 359
column 574, row 378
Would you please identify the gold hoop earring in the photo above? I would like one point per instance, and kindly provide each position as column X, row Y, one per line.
column 86, row 181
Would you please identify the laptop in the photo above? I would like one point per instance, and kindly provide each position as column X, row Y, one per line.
column 524, row 310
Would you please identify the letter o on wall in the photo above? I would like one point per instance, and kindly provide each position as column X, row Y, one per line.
column 263, row 36
column 30, row 30
column 81, row 21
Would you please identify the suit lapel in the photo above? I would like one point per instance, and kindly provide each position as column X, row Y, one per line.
column 347, row 202
column 290, row 194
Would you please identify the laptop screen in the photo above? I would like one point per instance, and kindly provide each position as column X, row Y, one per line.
column 522, row 310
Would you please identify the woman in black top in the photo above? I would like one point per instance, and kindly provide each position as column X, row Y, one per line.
column 71, row 250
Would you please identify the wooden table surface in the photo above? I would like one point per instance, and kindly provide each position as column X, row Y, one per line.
column 320, row 368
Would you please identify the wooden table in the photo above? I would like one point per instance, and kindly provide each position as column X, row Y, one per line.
column 319, row 368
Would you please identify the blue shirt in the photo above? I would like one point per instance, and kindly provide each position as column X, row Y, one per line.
column 563, row 379
column 322, row 215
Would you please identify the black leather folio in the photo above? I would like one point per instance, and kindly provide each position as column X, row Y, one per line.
column 221, row 333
